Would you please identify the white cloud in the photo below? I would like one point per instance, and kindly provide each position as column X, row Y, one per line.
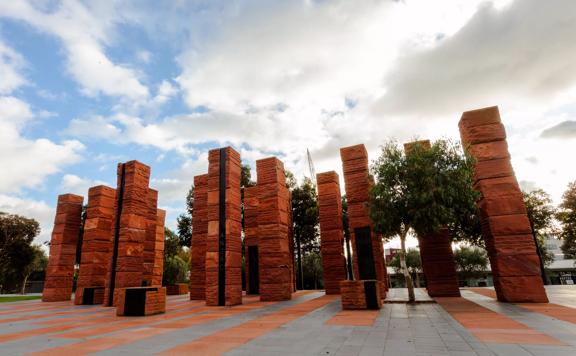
column 84, row 32
column 11, row 65
column 27, row 162
column 74, row 184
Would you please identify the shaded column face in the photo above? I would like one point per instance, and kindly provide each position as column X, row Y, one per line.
column 96, row 245
column 274, row 259
column 331, row 231
column 60, row 270
column 198, row 242
column 251, row 240
column 132, row 216
column 436, row 254
column 358, row 184
column 505, row 225
column 223, row 241
column 150, row 239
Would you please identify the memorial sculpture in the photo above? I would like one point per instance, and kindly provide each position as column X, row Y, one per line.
column 198, row 242
column 331, row 231
column 251, row 241
column 505, row 226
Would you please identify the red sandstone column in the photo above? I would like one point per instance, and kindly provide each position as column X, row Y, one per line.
column 130, row 231
column 223, row 241
column 250, row 233
column 505, row 225
column 150, row 239
column 438, row 264
column 96, row 242
column 358, row 184
column 158, row 267
column 274, row 246
column 198, row 243
column 331, row 231
column 60, row 271
column 436, row 255
column 291, row 241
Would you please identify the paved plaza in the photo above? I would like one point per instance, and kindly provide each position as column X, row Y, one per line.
column 312, row 323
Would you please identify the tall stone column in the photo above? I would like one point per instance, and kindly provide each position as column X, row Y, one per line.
column 159, row 238
column 505, row 225
column 362, row 236
column 331, row 231
column 436, row 254
column 150, row 239
column 60, row 270
column 223, row 242
column 251, row 251
column 96, row 243
column 273, row 217
column 130, row 229
column 198, row 243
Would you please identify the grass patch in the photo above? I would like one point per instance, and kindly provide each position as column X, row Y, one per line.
column 18, row 298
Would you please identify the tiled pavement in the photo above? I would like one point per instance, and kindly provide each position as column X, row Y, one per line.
column 310, row 324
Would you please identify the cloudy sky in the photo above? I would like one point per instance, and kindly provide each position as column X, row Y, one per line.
column 87, row 84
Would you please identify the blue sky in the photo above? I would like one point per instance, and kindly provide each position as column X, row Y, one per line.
column 87, row 84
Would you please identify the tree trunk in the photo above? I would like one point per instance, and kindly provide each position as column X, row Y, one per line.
column 24, row 284
column 407, row 277
column 417, row 279
column 300, row 271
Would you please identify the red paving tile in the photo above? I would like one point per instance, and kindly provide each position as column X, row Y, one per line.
column 552, row 310
column 148, row 327
column 489, row 326
column 354, row 318
column 231, row 338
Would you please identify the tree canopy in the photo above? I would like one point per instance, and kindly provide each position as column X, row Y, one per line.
column 541, row 214
column 567, row 217
column 305, row 215
column 471, row 262
column 184, row 221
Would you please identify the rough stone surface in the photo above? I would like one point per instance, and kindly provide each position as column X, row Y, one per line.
column 158, row 267
column 354, row 295
column 358, row 183
column 60, row 270
column 438, row 264
column 275, row 259
column 505, row 225
column 97, row 242
column 135, row 227
column 233, row 247
column 250, row 229
column 331, row 231
column 155, row 300
column 198, row 243
column 177, row 289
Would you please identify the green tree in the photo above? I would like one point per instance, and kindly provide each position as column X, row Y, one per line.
column 175, row 267
column 184, row 221
column 567, row 217
column 413, row 263
column 39, row 264
column 471, row 262
column 346, row 228
column 420, row 191
column 305, row 221
column 16, row 250
column 313, row 271
column 541, row 214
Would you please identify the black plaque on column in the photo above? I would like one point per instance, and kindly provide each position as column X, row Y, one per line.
column 366, row 268
column 222, row 230
column 254, row 277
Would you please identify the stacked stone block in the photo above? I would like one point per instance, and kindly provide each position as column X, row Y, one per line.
column 150, row 238
column 331, row 231
column 250, row 230
column 154, row 301
column 358, row 184
column 438, row 264
column 505, row 225
column 97, row 243
column 158, row 267
column 436, row 254
column 275, row 259
column 223, row 240
column 354, row 295
column 60, row 270
column 132, row 214
column 198, row 244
